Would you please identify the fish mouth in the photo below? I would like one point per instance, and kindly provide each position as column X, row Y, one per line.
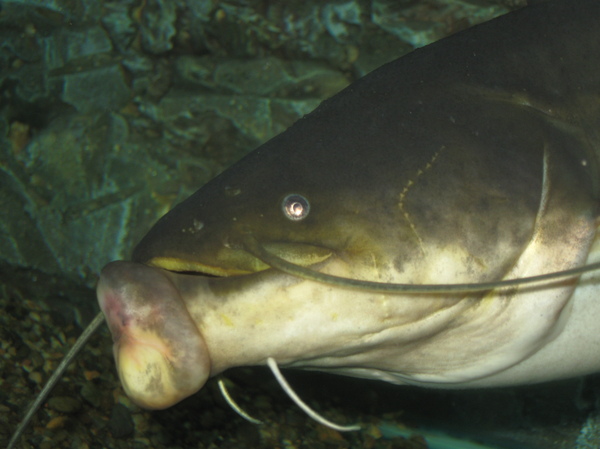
column 231, row 261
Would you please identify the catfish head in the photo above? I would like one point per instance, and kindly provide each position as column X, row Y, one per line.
column 400, row 178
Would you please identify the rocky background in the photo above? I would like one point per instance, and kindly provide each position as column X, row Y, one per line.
column 111, row 112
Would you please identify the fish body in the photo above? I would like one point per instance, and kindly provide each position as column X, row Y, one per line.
column 473, row 159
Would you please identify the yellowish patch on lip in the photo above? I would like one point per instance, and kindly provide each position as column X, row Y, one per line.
column 234, row 263
column 180, row 265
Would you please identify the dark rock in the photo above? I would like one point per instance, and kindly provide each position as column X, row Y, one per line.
column 64, row 404
column 101, row 89
column 91, row 394
column 157, row 28
column 119, row 23
column 69, row 46
column 121, row 423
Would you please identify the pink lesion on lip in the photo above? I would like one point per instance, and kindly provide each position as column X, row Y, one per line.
column 115, row 309
column 126, row 329
column 116, row 316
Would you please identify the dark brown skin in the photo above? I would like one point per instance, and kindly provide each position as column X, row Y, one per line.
column 460, row 125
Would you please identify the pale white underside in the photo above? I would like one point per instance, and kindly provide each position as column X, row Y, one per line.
column 533, row 336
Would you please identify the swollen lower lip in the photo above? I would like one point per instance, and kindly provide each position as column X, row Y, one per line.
column 160, row 354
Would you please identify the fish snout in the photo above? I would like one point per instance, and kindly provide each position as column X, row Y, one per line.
column 160, row 354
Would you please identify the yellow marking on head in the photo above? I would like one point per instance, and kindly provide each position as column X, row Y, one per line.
column 405, row 190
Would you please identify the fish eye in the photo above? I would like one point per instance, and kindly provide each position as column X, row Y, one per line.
column 295, row 207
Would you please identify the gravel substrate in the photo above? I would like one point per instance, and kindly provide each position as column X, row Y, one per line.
column 88, row 408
